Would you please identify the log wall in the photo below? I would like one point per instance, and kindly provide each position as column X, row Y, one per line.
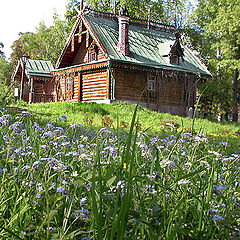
column 173, row 92
column 91, row 85
column 94, row 86
column 129, row 84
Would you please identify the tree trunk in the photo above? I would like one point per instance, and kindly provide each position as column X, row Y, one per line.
column 235, row 97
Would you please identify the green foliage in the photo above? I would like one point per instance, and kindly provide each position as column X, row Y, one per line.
column 71, row 12
column 170, row 12
column 88, row 120
column 107, row 121
column 5, row 78
column 124, row 124
column 120, row 112
column 1, row 52
column 219, row 46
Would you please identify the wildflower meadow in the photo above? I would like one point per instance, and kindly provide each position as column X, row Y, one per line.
column 77, row 182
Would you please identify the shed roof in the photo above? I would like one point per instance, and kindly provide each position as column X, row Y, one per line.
column 39, row 68
column 148, row 47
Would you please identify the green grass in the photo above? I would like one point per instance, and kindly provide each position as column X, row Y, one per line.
column 122, row 111
column 75, row 182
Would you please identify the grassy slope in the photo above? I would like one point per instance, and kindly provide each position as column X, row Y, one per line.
column 76, row 112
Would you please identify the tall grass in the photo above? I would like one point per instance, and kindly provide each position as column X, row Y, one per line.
column 77, row 183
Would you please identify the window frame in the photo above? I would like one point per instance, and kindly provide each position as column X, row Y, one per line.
column 93, row 53
column 151, row 83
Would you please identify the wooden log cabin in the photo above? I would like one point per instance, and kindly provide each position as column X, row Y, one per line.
column 35, row 80
column 110, row 57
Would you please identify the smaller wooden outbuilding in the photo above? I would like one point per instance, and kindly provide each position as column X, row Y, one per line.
column 35, row 80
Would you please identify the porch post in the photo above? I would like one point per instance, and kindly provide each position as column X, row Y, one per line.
column 23, row 61
column 31, row 100
column 22, row 83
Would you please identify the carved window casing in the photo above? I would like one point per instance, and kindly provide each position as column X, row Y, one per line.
column 68, row 84
column 152, row 93
column 93, row 56
column 174, row 59
column 92, row 53
column 151, row 83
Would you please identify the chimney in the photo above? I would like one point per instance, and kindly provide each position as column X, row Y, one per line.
column 123, row 44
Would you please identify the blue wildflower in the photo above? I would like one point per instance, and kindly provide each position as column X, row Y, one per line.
column 60, row 189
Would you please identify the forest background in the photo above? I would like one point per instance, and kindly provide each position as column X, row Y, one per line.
column 211, row 28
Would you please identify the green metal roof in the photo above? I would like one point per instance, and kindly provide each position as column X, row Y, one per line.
column 39, row 68
column 147, row 47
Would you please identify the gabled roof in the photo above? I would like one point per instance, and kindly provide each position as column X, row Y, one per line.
column 148, row 47
column 35, row 67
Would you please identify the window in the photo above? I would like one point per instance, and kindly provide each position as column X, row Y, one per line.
column 151, row 83
column 67, row 85
column 174, row 59
column 93, row 56
column 92, row 53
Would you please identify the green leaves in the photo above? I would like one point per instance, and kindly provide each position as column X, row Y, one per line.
column 215, row 34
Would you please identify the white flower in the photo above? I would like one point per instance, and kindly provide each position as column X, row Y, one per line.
column 74, row 174
column 183, row 181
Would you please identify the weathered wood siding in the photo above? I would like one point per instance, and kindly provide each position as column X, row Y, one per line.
column 88, row 85
column 94, row 85
column 75, row 89
column 171, row 91
column 81, row 56
column 129, row 84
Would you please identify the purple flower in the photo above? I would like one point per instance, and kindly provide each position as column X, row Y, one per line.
column 64, row 182
column 212, row 211
column 83, row 200
column 39, row 188
column 38, row 196
column 219, row 188
column 217, row 218
column 60, row 189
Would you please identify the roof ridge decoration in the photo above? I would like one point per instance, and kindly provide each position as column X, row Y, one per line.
column 139, row 22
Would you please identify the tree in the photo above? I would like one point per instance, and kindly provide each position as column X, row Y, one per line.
column 214, row 32
column 1, row 52
column 5, row 78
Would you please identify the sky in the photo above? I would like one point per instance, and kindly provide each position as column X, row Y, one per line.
column 24, row 16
